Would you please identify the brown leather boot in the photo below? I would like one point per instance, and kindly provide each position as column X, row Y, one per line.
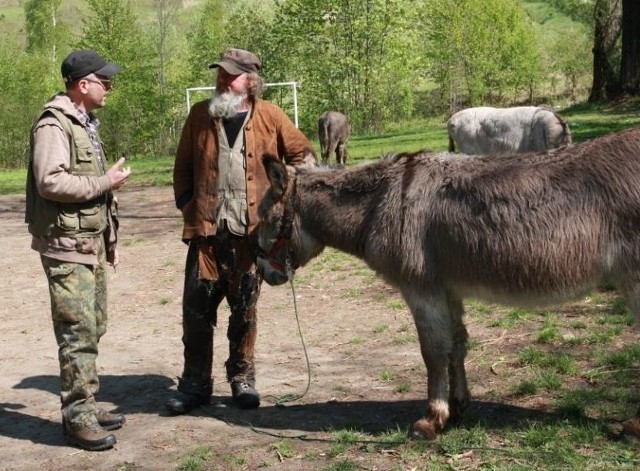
column 92, row 438
column 109, row 421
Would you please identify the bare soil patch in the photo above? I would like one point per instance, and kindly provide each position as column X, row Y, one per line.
column 366, row 368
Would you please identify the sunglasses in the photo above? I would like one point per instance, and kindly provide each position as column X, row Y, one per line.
column 106, row 83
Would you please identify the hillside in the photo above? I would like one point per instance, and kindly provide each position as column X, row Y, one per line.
column 12, row 13
column 72, row 12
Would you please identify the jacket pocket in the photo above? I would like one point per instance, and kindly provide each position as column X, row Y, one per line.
column 86, row 219
column 86, row 152
column 68, row 220
column 64, row 286
column 90, row 218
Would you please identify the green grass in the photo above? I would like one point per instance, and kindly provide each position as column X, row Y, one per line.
column 588, row 121
column 410, row 137
column 12, row 181
column 398, row 304
column 196, row 459
column 284, row 449
column 380, row 328
column 560, row 361
column 387, row 376
column 513, row 318
column 153, row 171
column 532, row 447
column 145, row 171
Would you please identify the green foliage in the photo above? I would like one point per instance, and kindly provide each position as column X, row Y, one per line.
column 257, row 17
column 567, row 70
column 206, row 40
column 386, row 63
column 578, row 10
column 350, row 56
column 44, row 29
column 475, row 63
column 130, row 122
column 24, row 87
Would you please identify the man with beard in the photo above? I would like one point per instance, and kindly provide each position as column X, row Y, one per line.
column 218, row 182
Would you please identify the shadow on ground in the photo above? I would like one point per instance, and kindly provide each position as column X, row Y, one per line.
column 133, row 394
column 372, row 417
column 130, row 394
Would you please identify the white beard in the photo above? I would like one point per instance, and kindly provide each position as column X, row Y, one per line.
column 226, row 105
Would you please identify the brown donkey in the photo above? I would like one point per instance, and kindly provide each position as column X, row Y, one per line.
column 526, row 230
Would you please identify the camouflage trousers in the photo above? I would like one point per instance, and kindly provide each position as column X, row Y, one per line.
column 79, row 312
column 239, row 282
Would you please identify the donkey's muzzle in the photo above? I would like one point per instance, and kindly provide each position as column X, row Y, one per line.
column 273, row 275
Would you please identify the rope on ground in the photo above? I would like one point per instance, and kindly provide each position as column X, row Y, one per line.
column 285, row 398
column 305, row 438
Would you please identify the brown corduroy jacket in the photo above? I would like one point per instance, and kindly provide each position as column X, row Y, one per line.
column 195, row 175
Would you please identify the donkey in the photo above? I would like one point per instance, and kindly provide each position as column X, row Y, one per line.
column 487, row 130
column 527, row 230
column 333, row 133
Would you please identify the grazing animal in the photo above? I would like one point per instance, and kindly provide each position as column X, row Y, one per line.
column 488, row 130
column 525, row 230
column 333, row 134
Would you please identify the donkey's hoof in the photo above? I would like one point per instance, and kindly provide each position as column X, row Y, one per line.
column 424, row 429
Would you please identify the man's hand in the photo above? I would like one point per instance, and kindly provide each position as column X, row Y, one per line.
column 118, row 175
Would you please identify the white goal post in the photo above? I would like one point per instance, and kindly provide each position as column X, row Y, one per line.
column 293, row 85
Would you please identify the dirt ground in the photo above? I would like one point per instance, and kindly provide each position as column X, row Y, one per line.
column 361, row 345
column 141, row 357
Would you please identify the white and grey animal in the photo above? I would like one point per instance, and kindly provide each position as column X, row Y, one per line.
column 333, row 133
column 526, row 230
column 487, row 130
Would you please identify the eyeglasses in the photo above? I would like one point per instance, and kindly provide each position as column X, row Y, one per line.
column 106, row 83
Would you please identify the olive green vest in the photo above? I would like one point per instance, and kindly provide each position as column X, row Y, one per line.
column 48, row 218
column 232, row 182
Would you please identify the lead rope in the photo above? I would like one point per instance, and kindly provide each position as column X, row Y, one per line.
column 281, row 400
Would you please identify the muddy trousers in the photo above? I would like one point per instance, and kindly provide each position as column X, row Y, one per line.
column 238, row 282
column 79, row 312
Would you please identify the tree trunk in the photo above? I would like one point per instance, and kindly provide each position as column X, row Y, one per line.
column 607, row 17
column 630, row 63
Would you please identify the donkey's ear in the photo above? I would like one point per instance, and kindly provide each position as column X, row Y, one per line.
column 277, row 173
